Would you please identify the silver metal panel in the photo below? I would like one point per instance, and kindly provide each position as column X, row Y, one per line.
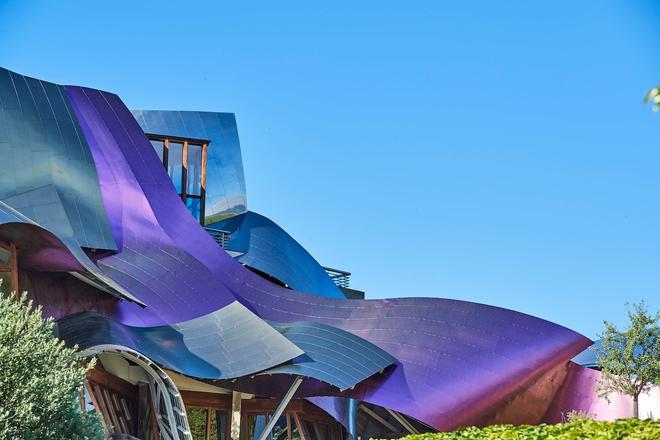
column 41, row 145
column 331, row 355
column 225, row 180
column 225, row 344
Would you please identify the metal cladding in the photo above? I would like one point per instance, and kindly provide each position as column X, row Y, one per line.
column 579, row 392
column 225, row 187
column 228, row 343
column 331, row 355
column 145, row 216
column 267, row 247
column 41, row 145
column 451, row 362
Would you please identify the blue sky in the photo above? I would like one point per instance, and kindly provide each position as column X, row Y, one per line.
column 496, row 152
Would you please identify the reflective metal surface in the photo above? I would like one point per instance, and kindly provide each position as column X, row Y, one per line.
column 331, row 355
column 41, row 145
column 228, row 343
column 225, row 180
column 268, row 248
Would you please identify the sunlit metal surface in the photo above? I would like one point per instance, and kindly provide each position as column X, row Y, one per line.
column 41, row 145
column 228, row 343
column 42, row 250
column 268, row 248
column 331, row 355
column 225, row 180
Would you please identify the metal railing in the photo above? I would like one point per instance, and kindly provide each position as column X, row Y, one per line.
column 340, row 277
column 221, row 237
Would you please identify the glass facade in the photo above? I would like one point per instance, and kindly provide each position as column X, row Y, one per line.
column 185, row 162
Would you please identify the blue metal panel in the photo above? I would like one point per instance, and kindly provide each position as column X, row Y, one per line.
column 225, row 180
column 228, row 343
column 41, row 145
column 268, row 248
column 331, row 355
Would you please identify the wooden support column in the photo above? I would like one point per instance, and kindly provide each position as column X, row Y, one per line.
column 235, row 432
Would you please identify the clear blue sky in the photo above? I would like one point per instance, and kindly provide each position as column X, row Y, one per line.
column 496, row 152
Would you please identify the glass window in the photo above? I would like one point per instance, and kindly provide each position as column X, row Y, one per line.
column 311, row 431
column 219, row 422
column 158, row 146
column 279, row 431
column 194, row 169
column 195, row 207
column 256, row 425
column 185, row 172
column 175, row 164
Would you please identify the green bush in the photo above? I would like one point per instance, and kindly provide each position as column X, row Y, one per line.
column 40, row 379
column 629, row 429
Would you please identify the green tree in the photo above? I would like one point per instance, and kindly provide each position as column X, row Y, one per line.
column 630, row 359
column 40, row 379
column 653, row 97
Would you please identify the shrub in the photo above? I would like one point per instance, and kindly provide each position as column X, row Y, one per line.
column 629, row 429
column 40, row 379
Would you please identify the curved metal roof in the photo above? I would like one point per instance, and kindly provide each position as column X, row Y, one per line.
column 267, row 247
column 228, row 343
column 331, row 355
column 42, row 145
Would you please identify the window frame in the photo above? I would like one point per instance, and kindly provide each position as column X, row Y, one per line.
column 166, row 139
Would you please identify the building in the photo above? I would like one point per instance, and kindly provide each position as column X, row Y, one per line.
column 131, row 229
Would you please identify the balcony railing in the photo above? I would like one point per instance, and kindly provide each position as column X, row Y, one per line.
column 340, row 277
column 221, row 237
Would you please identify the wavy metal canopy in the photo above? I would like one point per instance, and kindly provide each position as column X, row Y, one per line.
column 228, row 343
column 262, row 244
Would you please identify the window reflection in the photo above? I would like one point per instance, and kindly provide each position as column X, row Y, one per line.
column 158, row 146
column 175, row 164
column 195, row 207
column 194, row 169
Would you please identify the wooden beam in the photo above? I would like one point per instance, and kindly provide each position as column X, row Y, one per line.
column 95, row 402
column 289, row 432
column 184, row 170
column 378, row 418
column 99, row 376
column 208, row 423
column 202, row 214
column 302, row 431
column 404, row 422
column 200, row 399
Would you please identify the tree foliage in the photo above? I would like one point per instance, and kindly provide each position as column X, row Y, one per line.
column 40, row 379
column 630, row 359
column 628, row 429
column 653, row 97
